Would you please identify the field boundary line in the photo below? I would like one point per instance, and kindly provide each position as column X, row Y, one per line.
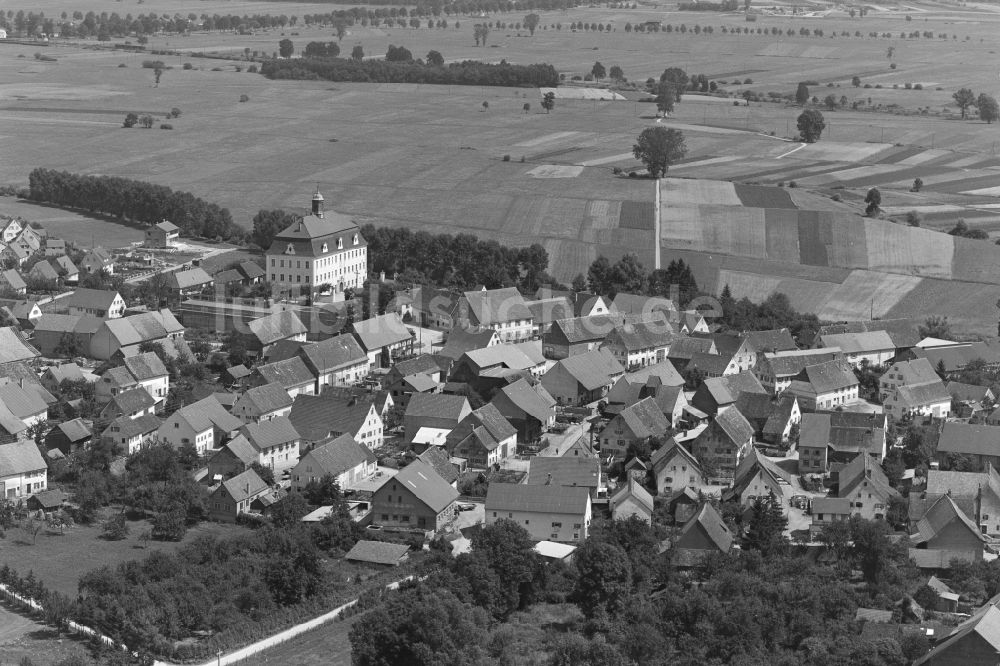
column 793, row 150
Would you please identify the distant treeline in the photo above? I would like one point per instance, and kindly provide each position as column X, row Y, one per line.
column 724, row 6
column 468, row 72
column 132, row 200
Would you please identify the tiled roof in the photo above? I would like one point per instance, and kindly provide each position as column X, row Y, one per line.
column 461, row 340
column 771, row 341
column 707, row 518
column 967, row 392
column 497, row 306
column 864, row 468
column 538, row 498
column 381, row 331
column 583, row 472
column 423, row 364
column 791, row 364
column 914, row 373
column 956, row 358
column 962, row 484
column 635, row 490
column 941, row 514
column 270, row 433
column 710, row 364
column 586, row 329
column 128, row 427
column 643, row 335
column 645, row 418
column 166, row 226
column 316, row 416
column 969, row 439
column 44, row 271
column 22, row 402
column 925, row 394
column 193, row 277
column 289, row 373
column 592, row 369
column 857, row 343
column 267, row 398
column 277, row 326
column 65, row 263
column 245, row 485
column 436, row 457
column 506, row 355
column 134, row 400
column 377, row 552
column 547, row 310
column 75, row 430
column 427, row 485
column 228, row 276
column 440, row 405
column 664, row 371
column 241, row 447
column 814, row 430
column 20, row 457
column 96, row 299
column 685, row 348
column 146, row 366
column 532, row 400
column 308, row 234
column 13, row 346
column 904, row 332
column 663, row 454
column 251, row 270
column 208, row 413
column 57, row 323
column 66, row 371
column 13, row 279
column 829, row 376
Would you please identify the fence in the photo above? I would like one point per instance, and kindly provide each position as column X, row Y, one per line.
column 34, row 607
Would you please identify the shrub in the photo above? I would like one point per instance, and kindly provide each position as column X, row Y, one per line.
column 216, row 69
column 188, row 65
column 892, row 66
column 252, row 69
column 166, row 126
column 120, row 65
column 836, row 197
column 617, row 171
column 918, row 86
column 506, row 158
column 244, row 98
column 174, row 113
column 633, row 174
column 153, row 64
column 793, row 184
column 748, row 82
column 913, row 218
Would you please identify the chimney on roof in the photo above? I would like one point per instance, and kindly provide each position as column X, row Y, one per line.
column 317, row 203
column 548, row 479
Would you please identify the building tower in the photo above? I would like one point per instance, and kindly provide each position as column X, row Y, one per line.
column 317, row 203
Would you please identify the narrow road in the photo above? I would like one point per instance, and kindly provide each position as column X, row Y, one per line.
column 793, row 150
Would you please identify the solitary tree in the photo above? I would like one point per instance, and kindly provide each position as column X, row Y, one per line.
column 340, row 29
column 286, row 48
column 526, row 107
column 664, row 99
column 856, row 81
column 157, row 73
column 480, row 31
column 811, row 125
column 658, row 148
column 549, row 101
column 358, row 53
column 435, row 58
column 677, row 80
column 616, row 73
column 964, row 98
column 874, row 200
column 988, row 109
column 130, row 120
column 531, row 22
column 598, row 71
column 830, row 101
column 802, row 94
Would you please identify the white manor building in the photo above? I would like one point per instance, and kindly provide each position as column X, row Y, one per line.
column 319, row 249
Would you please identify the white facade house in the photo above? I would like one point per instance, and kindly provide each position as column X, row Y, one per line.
column 23, row 471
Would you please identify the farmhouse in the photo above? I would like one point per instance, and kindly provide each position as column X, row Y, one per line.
column 96, row 303
column 632, row 500
column 434, row 410
column 11, row 281
column 503, row 310
column 825, row 386
column 461, row 340
column 378, row 552
column 582, row 378
column 96, row 260
column 981, row 443
column 203, row 424
column 43, row 271
column 675, row 468
column 262, row 403
column 266, row 331
column 322, row 248
column 944, row 527
column 69, row 436
column 574, row 471
column 704, row 533
column 276, row 443
column 318, row 418
column 568, row 337
column 483, row 438
column 343, row 458
column 162, row 235
column 336, row 361
column 292, row 374
column 758, row 477
column 417, row 498
column 130, row 434
column 641, row 343
column 384, row 338
column 776, row 370
column 634, row 424
column 528, row 407
column 723, row 444
column 187, row 282
column 236, row 495
column 132, row 403
column 547, row 512
column 864, row 483
column 23, row 472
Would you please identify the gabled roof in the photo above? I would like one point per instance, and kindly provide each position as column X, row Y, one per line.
column 45, row 271
column 377, row 552
column 146, row 366
column 642, row 335
column 94, row 299
column 970, row 439
column 756, row 461
column 942, row 513
column 436, row 457
column 289, row 373
column 340, row 455
column 427, row 485
column 13, row 279
column 789, row 364
column 76, row 430
column 66, row 371
column 277, row 326
column 245, row 485
column 663, row 455
column 641, row 305
column 645, row 418
column 208, row 413
column 193, row 277
column 497, row 306
column 22, row 402
column 440, row 405
column 133, row 401
column 963, row 484
column 829, row 376
column 710, row 364
column 863, row 468
column 509, row 356
column 814, row 430
column 913, row 373
column 585, row 329
column 381, row 331
column 65, row 263
column 634, row 490
column 241, row 447
column 904, row 332
column 685, row 348
column 462, row 340
column 538, row 498
column 267, row 398
column 316, row 416
column 957, row 357
column 583, row 472
column 532, row 400
column 310, row 233
column 128, row 427
column 925, row 394
column 20, row 457
column 251, row 270
column 859, row 343
column 664, row 371
column 774, row 340
column 13, row 346
column 486, row 424
column 592, row 369
column 547, row 310
column 423, row 364
column 228, row 276
column 708, row 521
column 270, row 433
column 166, row 226
column 968, row 392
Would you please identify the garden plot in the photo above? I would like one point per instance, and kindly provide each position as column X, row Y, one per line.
column 866, row 291
column 556, row 171
column 898, row 249
column 636, row 215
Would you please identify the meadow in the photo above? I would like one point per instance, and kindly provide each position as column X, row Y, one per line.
column 433, row 157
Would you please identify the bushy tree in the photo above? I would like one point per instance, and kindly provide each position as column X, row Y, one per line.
column 269, row 223
column 616, row 73
column 605, row 580
column 549, row 101
column 801, row 94
column 873, row 199
column 286, row 48
column 765, row 531
column 676, row 80
column 435, row 58
column 658, row 148
column 598, row 71
column 810, row 124
column 988, row 108
column 531, row 22
column 964, row 98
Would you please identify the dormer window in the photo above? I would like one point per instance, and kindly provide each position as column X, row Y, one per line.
column 355, row 239
column 325, row 248
column 340, row 243
column 290, row 249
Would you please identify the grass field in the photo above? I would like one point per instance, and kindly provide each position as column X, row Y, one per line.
column 325, row 646
column 83, row 230
column 21, row 636
column 59, row 560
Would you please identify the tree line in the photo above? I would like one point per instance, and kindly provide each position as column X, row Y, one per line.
column 468, row 72
column 133, row 200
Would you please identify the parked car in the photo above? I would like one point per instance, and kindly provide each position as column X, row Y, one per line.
column 799, row 502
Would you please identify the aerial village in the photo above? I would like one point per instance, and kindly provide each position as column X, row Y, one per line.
column 443, row 412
